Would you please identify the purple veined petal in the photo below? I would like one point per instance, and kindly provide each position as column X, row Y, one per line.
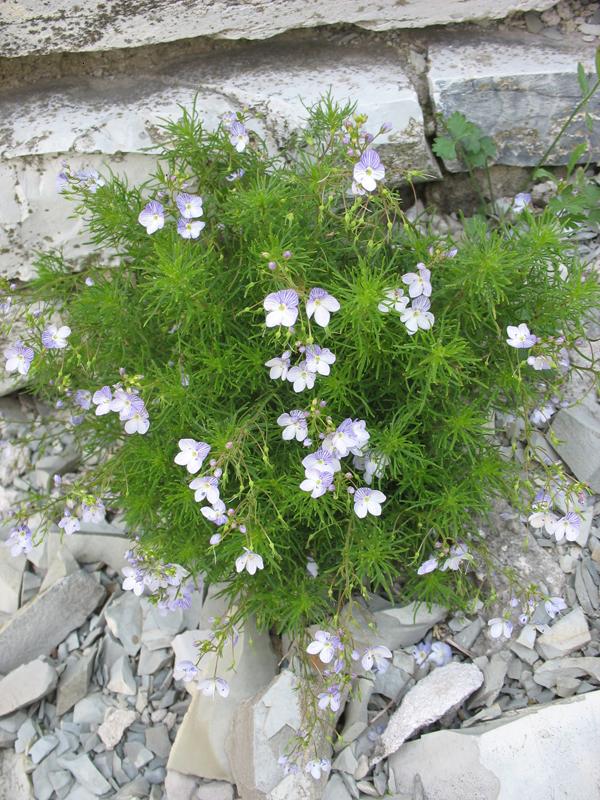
column 370, row 158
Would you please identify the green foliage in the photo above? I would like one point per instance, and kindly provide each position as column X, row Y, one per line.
column 465, row 141
column 183, row 320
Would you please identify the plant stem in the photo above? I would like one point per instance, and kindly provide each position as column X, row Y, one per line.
column 585, row 99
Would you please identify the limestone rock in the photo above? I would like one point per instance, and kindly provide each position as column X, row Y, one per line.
column 92, row 543
column 401, row 627
column 11, row 575
column 199, row 748
column 567, row 634
column 124, row 620
column 552, row 671
column 51, row 26
column 518, row 92
column 85, row 773
column 61, row 564
column 121, row 677
column 74, row 681
column 179, row 786
column 495, row 760
column 578, row 432
column 215, row 790
column 26, row 684
column 494, row 673
column 440, row 692
column 14, row 783
column 116, row 721
column 47, row 620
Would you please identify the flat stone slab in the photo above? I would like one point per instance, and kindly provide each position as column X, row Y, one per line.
column 119, row 118
column 26, row 684
column 46, row 26
column 518, row 92
column 37, row 628
column 567, row 634
column 546, row 752
column 578, row 432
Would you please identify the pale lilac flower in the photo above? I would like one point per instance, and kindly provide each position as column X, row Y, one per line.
column 301, row 377
column 341, row 441
column 319, row 359
column 189, row 205
column 83, row 399
column 418, row 282
column 93, row 511
column 315, row 482
column 152, row 216
column 540, row 362
column 428, row 566
column 215, row 512
column 192, row 454
column 294, row 425
column 289, row 768
column 368, row 501
column 248, row 561
column 361, row 435
column 375, row 658
column 205, row 487
column 62, row 179
column 312, row 567
column 54, row 338
column 394, row 300
column 421, row 651
column 238, row 136
column 281, row 308
column 18, row 358
column 210, row 686
column 373, row 465
column 369, row 170
column 324, row 645
column 322, row 460
column 542, row 517
column 418, row 315
column 357, row 190
column 185, row 671
column 500, row 627
column 89, row 281
column 440, row 655
column 520, row 336
column 317, row 767
column 19, row 540
column 90, row 179
column 190, row 228
column 521, row 202
column 554, row 605
column 134, row 580
column 124, row 403
column 235, row 175
column 330, row 698
column 458, row 553
column 540, row 416
column 279, row 366
column 322, row 305
column 102, row 399
column 69, row 523
column 215, row 539
column 138, row 422
column 567, row 527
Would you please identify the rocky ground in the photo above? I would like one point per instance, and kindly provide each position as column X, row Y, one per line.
column 89, row 706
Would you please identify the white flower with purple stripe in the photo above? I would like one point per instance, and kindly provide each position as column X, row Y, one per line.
column 215, row 513
column 83, row 399
column 319, row 359
column 138, row 422
column 500, row 628
column 134, row 580
column 55, row 338
column 418, row 282
column 368, row 501
column 321, row 305
column 205, row 487
column 20, row 540
column 376, row 658
column 18, row 358
column 185, row 671
column 211, row 686
column 520, row 337
column 294, row 425
column 192, row 454
column 93, row 511
column 394, row 300
column 102, row 399
column 238, row 136
column 69, row 523
column 301, row 377
column 124, row 403
column 567, row 527
column 190, row 228
column 152, row 216
column 279, row 366
column 248, row 561
column 369, row 170
column 281, row 308
column 315, row 482
column 322, row 460
column 189, row 205
column 418, row 315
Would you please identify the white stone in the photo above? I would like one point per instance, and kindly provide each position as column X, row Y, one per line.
column 199, row 748
column 14, row 783
column 442, row 691
column 551, row 750
column 179, row 786
column 93, row 544
column 56, row 26
column 159, row 629
column 85, row 773
column 11, row 575
column 124, row 620
column 43, row 747
column 26, row 684
column 121, row 677
column 552, row 671
column 61, row 564
column 157, row 740
column 47, row 620
column 184, row 648
column 578, row 432
column 518, row 92
column 567, row 634
column 401, row 627
column 215, row 790
column 115, row 723
column 494, row 673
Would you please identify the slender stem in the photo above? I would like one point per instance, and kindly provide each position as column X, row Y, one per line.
column 585, row 99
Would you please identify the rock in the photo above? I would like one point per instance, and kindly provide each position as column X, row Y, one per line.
column 496, row 760
column 178, row 786
column 116, row 721
column 391, row 682
column 45, row 622
column 356, row 718
column 442, row 691
column 566, row 687
column 215, row 790
column 121, row 115
column 494, row 673
column 91, row 710
column 568, row 633
column 199, row 748
column 466, row 638
column 519, row 93
column 11, row 575
column 74, row 681
column 26, row 684
column 346, row 761
column 85, row 773
column 157, row 740
column 577, row 430
column 43, row 747
column 152, row 661
column 557, row 668
column 137, row 754
column 61, row 565
column 25, row 31
column 586, row 590
column 124, row 620
column 121, row 677
column 92, row 544
column 401, row 627
column 336, row 789
column 14, row 783
column 159, row 629
column 59, row 464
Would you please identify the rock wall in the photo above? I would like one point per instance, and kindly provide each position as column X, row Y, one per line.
column 104, row 107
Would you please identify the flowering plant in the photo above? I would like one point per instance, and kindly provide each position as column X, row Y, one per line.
column 282, row 382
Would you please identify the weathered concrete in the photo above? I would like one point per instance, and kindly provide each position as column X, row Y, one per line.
column 47, row 26
column 519, row 92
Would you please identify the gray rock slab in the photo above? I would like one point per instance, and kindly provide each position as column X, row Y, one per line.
column 26, row 684
column 121, row 677
column 567, row 634
column 93, row 544
column 11, row 575
column 214, row 790
column 518, row 92
column 37, row 628
column 74, row 681
column 124, row 620
column 443, row 690
column 548, row 673
column 14, row 783
column 43, row 747
column 60, row 565
column 157, row 740
column 496, row 760
column 494, row 673
column 117, row 120
column 578, row 432
column 85, row 773
column 51, row 26
column 179, row 786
